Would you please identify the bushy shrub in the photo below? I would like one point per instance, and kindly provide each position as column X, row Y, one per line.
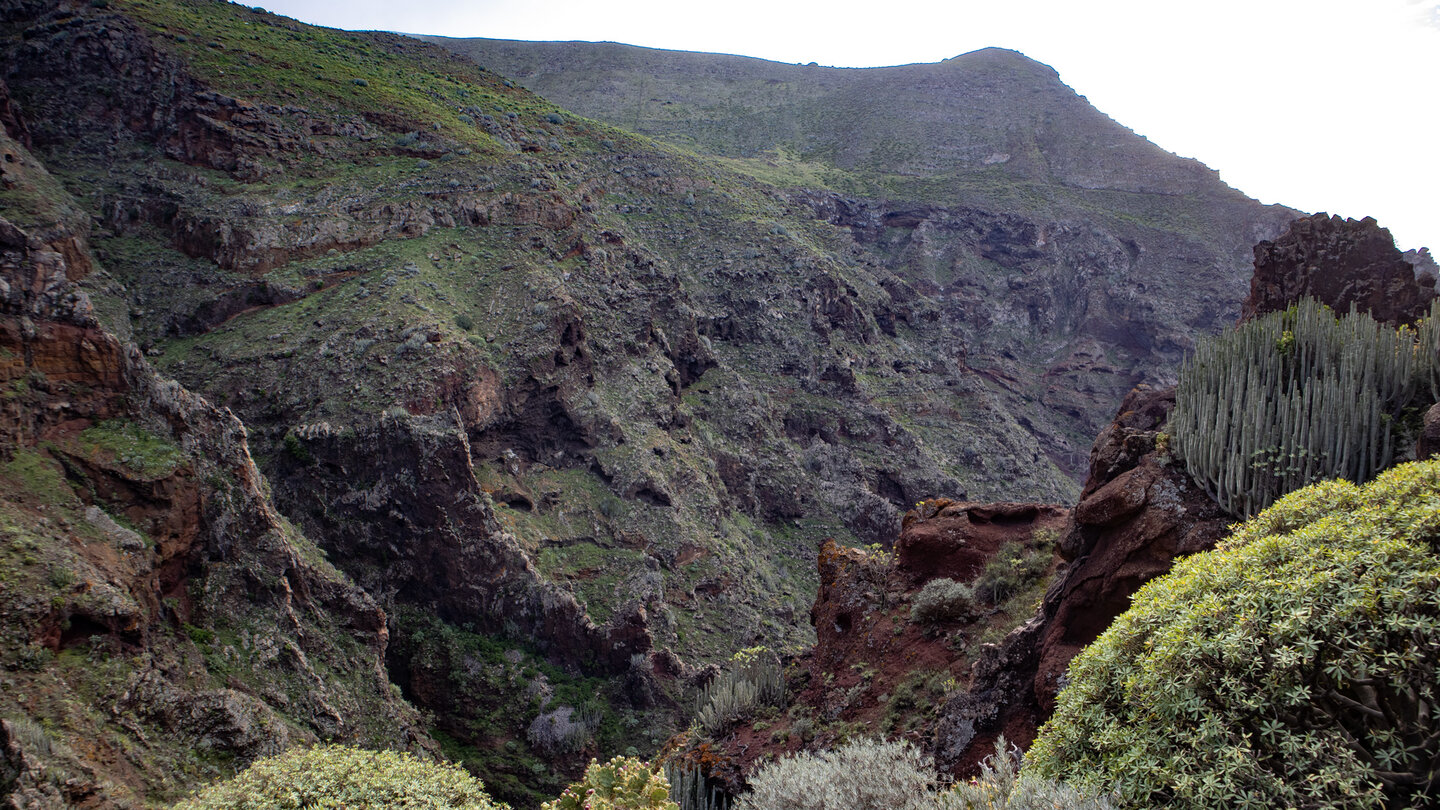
column 861, row 775
column 1298, row 396
column 563, row 729
column 942, row 600
column 755, row 679
column 1000, row 786
column 1294, row 666
column 1013, row 569
column 623, row 783
column 337, row 776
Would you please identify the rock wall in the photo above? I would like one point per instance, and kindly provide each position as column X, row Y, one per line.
column 157, row 616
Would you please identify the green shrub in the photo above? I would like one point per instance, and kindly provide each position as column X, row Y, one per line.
column 337, row 776
column 755, row 679
column 1001, row 787
column 1013, row 569
column 464, row 321
column 623, row 783
column 297, row 449
column 1294, row 666
column 942, row 600
column 860, row 775
column 1299, row 396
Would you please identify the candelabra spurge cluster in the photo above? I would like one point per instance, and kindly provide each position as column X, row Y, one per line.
column 1299, row 396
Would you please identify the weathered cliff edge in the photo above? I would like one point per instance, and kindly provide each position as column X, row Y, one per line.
column 159, row 620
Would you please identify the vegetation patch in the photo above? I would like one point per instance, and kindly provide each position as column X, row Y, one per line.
column 1293, row 666
column 333, row 777
column 134, row 447
column 1299, row 396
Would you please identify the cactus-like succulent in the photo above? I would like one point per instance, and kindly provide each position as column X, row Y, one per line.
column 1299, row 396
column 623, row 783
column 755, row 679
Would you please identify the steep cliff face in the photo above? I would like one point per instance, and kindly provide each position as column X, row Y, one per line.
column 158, row 619
column 1050, row 248
column 565, row 401
column 651, row 359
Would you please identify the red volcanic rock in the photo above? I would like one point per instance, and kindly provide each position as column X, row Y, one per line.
column 1343, row 263
column 958, row 538
column 1138, row 512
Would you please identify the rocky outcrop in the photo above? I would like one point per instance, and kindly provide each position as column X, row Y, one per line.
column 413, row 524
column 157, row 580
column 1344, row 263
column 877, row 666
column 1428, row 443
column 1139, row 512
column 941, row 538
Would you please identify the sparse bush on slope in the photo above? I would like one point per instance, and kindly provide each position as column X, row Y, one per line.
column 338, row 776
column 942, row 600
column 1294, row 666
column 862, row 775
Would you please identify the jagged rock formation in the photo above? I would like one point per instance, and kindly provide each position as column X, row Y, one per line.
column 1138, row 513
column 157, row 616
column 1344, row 263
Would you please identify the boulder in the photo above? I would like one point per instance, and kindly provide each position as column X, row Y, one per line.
column 1342, row 262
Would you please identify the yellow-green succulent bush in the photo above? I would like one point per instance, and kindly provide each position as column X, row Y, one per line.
column 623, row 783
column 331, row 777
column 1294, row 666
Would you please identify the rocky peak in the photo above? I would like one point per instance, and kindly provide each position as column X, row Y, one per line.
column 1344, row 263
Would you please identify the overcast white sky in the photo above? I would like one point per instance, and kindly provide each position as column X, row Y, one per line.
column 1323, row 105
